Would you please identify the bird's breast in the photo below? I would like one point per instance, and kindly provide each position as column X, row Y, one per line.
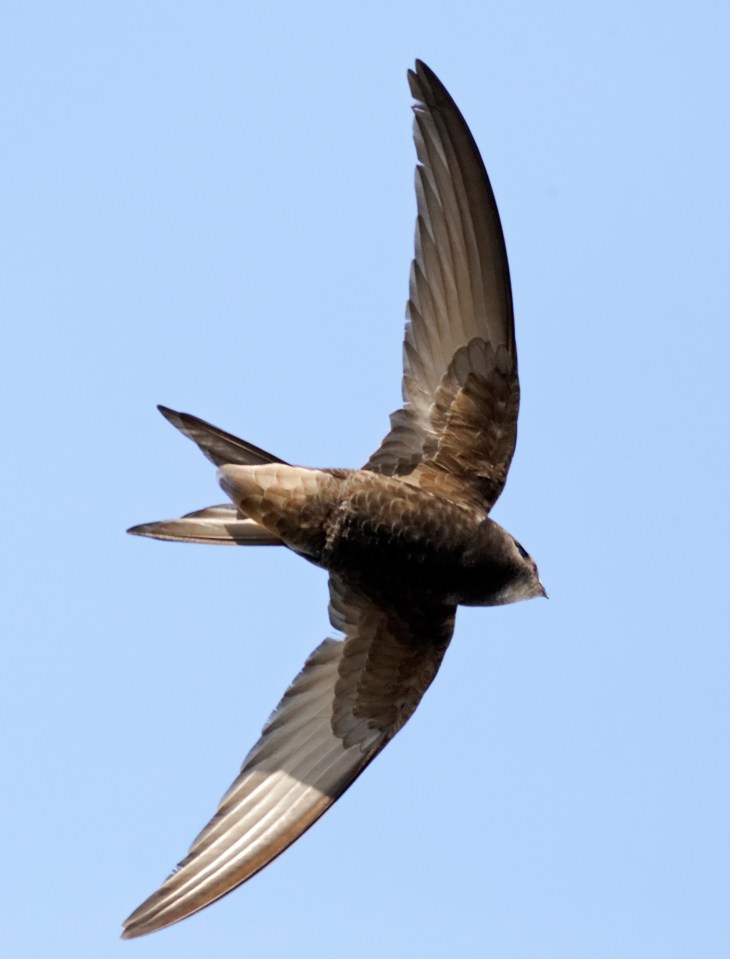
column 392, row 537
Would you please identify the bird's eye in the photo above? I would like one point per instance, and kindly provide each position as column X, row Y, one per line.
column 522, row 551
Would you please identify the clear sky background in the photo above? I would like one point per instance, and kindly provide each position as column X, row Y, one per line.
column 210, row 205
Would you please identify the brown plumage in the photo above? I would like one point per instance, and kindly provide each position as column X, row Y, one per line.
column 405, row 539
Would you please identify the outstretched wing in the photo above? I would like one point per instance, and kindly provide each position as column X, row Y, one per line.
column 460, row 385
column 349, row 700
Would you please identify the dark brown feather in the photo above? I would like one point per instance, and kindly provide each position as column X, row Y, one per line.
column 404, row 540
column 460, row 383
column 347, row 703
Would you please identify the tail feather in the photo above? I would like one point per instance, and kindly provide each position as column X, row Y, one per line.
column 220, row 447
column 217, row 525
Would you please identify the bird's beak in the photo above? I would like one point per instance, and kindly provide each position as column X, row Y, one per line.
column 544, row 592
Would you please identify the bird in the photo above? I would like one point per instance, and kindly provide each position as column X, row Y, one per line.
column 405, row 540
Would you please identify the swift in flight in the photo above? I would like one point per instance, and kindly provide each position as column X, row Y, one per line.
column 405, row 540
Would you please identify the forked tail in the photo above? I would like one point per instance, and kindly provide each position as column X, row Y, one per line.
column 220, row 447
column 218, row 525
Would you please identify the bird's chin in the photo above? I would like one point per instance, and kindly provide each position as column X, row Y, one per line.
column 513, row 592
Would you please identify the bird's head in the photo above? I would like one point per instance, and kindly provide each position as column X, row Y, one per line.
column 500, row 570
column 526, row 584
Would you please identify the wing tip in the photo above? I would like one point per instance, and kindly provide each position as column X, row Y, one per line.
column 135, row 929
column 422, row 69
column 423, row 81
column 149, row 916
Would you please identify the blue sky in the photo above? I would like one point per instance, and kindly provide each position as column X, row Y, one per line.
column 211, row 206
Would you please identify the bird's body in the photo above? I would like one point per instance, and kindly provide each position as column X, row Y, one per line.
column 405, row 540
column 383, row 533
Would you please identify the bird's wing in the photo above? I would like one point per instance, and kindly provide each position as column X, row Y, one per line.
column 460, row 385
column 349, row 700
